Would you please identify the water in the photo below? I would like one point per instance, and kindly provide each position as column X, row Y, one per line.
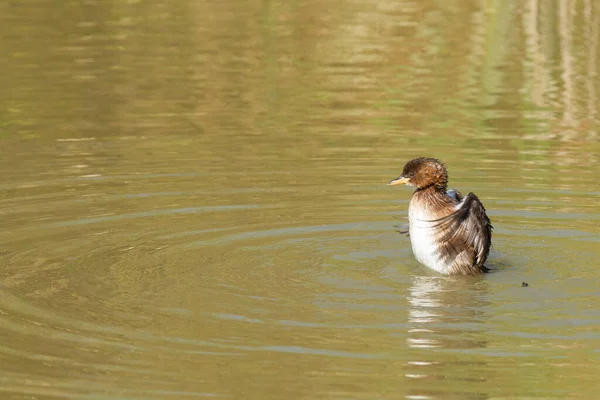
column 193, row 199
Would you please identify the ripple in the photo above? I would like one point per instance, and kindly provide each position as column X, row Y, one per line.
column 145, row 214
column 280, row 234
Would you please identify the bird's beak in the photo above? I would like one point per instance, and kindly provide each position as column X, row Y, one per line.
column 399, row 181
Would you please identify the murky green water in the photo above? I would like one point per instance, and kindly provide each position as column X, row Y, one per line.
column 193, row 199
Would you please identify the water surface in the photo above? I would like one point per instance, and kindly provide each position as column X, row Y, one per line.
column 193, row 201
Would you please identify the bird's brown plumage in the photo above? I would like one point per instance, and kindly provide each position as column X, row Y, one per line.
column 449, row 233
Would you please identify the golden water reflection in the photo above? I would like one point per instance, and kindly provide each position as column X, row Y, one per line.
column 447, row 315
column 193, row 199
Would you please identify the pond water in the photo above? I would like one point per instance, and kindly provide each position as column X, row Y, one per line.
column 193, row 199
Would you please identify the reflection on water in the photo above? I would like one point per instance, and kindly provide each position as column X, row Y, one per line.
column 435, row 301
column 446, row 314
column 193, row 200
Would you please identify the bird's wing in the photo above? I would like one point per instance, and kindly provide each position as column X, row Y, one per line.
column 403, row 229
column 467, row 227
column 454, row 195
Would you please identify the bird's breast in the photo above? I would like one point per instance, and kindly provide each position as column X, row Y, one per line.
column 423, row 236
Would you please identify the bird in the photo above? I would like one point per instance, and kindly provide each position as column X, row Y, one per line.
column 449, row 233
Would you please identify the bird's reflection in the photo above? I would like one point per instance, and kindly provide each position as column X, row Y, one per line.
column 446, row 329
